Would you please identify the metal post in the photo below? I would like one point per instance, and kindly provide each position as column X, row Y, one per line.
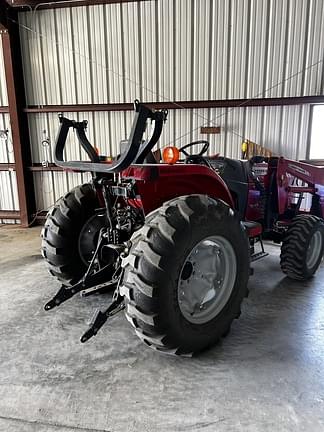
column 18, row 119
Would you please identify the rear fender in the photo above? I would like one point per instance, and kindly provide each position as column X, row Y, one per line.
column 157, row 184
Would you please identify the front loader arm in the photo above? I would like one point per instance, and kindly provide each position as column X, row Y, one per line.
column 310, row 177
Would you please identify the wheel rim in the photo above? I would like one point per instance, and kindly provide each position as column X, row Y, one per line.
column 207, row 279
column 89, row 236
column 314, row 249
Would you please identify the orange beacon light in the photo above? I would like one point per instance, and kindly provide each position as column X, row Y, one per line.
column 170, row 155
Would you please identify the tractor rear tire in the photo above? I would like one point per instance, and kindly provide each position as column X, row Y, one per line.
column 61, row 232
column 160, row 266
column 302, row 248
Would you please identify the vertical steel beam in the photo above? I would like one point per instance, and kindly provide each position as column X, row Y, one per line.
column 18, row 119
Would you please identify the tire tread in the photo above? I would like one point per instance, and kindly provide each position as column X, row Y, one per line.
column 162, row 223
column 59, row 240
column 293, row 249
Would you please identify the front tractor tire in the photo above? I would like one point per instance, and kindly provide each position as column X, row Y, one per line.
column 70, row 233
column 186, row 275
column 302, row 248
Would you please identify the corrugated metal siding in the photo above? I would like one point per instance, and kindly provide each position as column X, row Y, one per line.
column 173, row 50
column 3, row 87
column 281, row 129
column 8, row 183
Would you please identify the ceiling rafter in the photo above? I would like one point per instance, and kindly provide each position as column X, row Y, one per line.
column 54, row 4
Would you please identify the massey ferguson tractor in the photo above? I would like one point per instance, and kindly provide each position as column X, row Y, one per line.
column 175, row 239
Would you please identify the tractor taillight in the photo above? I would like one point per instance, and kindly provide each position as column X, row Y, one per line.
column 170, row 155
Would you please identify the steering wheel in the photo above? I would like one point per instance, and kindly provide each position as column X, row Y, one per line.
column 202, row 151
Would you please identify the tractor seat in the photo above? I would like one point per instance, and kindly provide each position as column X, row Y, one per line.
column 235, row 174
column 229, row 169
column 149, row 159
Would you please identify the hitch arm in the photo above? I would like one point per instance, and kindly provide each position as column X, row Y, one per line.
column 88, row 280
column 65, row 293
column 61, row 296
column 99, row 318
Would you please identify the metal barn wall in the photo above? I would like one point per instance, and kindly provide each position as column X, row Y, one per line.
column 283, row 129
column 174, row 50
column 8, row 183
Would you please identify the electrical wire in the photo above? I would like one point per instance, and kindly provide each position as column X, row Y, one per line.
column 229, row 110
column 38, row 212
column 97, row 63
column 126, row 78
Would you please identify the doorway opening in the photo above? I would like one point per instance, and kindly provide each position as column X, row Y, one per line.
column 316, row 150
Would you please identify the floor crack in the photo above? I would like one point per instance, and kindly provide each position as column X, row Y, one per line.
column 54, row 425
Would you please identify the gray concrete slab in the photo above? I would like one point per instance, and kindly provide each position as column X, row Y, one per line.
column 267, row 375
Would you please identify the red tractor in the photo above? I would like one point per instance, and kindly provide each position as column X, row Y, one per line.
column 176, row 239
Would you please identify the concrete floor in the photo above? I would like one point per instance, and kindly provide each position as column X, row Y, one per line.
column 267, row 375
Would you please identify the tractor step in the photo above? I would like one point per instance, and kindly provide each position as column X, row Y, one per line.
column 258, row 255
column 254, row 232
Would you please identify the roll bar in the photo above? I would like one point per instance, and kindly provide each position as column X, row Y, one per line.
column 135, row 151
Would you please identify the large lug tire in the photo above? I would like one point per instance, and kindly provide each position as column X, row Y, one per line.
column 161, row 265
column 303, row 246
column 61, row 233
